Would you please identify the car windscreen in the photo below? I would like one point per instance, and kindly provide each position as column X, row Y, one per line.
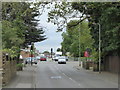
column 62, row 57
column 43, row 57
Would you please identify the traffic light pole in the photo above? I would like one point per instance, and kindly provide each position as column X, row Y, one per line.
column 31, row 50
column 51, row 52
column 31, row 57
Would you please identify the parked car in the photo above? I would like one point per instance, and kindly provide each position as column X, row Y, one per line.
column 62, row 59
column 28, row 60
column 43, row 58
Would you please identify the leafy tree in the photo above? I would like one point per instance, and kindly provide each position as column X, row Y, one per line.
column 75, row 34
column 46, row 52
column 22, row 15
column 60, row 13
column 105, row 13
column 111, row 31
column 20, row 28
column 58, row 50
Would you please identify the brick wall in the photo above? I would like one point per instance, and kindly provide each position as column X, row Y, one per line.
column 0, row 69
column 0, row 59
column 9, row 69
column 25, row 54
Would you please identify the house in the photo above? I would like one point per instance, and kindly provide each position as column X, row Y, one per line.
column 25, row 52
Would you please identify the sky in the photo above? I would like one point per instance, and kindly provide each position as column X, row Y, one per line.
column 54, row 38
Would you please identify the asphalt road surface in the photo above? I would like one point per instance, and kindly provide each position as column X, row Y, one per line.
column 50, row 74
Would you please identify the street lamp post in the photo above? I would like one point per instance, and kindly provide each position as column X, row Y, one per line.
column 79, row 47
column 99, row 46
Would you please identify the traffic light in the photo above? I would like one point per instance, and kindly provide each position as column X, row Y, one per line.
column 51, row 52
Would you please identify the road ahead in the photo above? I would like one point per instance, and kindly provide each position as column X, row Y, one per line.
column 53, row 75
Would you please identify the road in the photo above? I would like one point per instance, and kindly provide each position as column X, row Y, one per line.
column 50, row 74
column 53, row 75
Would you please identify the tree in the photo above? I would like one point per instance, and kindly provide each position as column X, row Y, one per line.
column 105, row 13
column 111, row 31
column 20, row 28
column 58, row 50
column 75, row 34
column 22, row 15
column 46, row 52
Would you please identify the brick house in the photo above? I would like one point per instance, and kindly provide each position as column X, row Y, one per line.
column 25, row 53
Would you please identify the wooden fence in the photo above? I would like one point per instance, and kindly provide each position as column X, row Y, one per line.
column 111, row 64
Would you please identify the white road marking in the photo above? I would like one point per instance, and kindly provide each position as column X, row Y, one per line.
column 70, row 79
column 79, row 84
column 56, row 77
column 67, row 76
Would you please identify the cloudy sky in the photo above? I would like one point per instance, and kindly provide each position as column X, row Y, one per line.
column 54, row 38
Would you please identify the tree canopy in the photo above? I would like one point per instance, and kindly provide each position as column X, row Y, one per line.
column 77, row 39
column 105, row 13
column 20, row 25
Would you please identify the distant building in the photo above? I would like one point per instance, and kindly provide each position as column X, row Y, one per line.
column 25, row 52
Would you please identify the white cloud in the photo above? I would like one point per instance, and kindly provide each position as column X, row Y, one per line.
column 54, row 38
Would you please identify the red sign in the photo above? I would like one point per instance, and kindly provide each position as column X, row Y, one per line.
column 86, row 54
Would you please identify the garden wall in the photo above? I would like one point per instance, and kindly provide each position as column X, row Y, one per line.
column 9, row 69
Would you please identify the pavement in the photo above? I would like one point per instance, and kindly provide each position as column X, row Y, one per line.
column 107, row 76
column 51, row 75
column 0, row 78
column 23, row 79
